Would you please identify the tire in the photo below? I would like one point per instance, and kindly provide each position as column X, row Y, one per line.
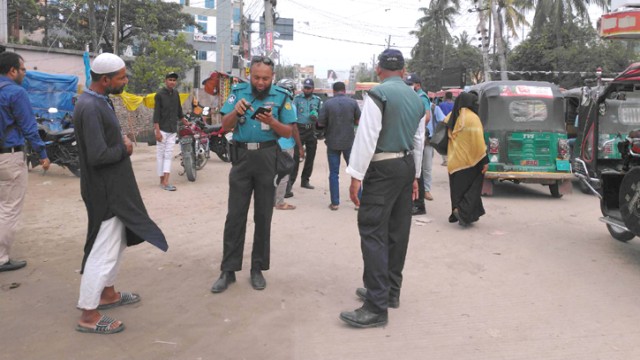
column 555, row 190
column 584, row 189
column 75, row 170
column 189, row 165
column 619, row 234
column 224, row 155
column 201, row 161
column 151, row 142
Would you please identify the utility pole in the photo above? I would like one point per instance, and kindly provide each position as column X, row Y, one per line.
column 389, row 42
column 268, row 26
column 4, row 25
column 116, row 29
column 484, row 41
column 373, row 67
column 92, row 26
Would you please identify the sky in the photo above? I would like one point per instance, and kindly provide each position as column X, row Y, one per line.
column 336, row 34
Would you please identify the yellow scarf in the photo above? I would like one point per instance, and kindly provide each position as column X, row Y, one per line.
column 466, row 142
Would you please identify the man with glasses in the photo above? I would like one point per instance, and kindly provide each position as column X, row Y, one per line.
column 308, row 106
column 17, row 123
column 258, row 114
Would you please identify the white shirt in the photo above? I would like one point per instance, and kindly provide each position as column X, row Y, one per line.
column 367, row 136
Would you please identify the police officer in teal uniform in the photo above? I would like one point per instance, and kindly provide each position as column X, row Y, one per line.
column 253, row 158
column 308, row 106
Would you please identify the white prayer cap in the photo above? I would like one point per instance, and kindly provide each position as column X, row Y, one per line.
column 107, row 63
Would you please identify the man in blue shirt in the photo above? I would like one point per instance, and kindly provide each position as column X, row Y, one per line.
column 446, row 106
column 308, row 106
column 253, row 171
column 17, row 123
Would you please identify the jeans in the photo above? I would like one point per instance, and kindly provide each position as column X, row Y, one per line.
column 333, row 157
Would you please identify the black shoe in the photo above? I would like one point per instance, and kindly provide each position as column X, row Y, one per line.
column 416, row 210
column 226, row 278
column 306, row 185
column 257, row 280
column 394, row 301
column 363, row 318
column 461, row 222
column 288, row 194
column 13, row 265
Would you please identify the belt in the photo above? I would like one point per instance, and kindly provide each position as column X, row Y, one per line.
column 256, row 145
column 389, row 155
column 13, row 149
column 305, row 126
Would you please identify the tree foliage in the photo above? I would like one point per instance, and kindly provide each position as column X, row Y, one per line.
column 67, row 21
column 163, row 57
column 583, row 51
column 22, row 14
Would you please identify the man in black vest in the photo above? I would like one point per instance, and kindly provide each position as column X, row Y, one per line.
column 386, row 157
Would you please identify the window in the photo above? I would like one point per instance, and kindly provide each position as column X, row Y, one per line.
column 209, row 4
column 201, row 55
column 236, row 15
column 202, row 21
column 528, row 110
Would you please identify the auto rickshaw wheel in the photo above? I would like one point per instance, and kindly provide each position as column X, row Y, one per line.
column 619, row 234
column 555, row 190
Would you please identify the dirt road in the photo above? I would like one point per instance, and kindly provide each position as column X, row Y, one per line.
column 536, row 278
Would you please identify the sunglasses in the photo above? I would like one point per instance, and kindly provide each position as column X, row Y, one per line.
column 261, row 59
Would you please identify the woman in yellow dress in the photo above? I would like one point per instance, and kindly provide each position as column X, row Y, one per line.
column 467, row 160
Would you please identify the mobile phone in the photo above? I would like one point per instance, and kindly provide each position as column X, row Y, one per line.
column 261, row 110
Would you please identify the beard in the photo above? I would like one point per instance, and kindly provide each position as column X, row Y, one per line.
column 260, row 95
column 114, row 91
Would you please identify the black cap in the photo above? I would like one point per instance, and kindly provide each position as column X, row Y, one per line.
column 171, row 75
column 412, row 78
column 308, row 83
column 391, row 59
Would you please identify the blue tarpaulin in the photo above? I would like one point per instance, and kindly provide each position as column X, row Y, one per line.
column 50, row 90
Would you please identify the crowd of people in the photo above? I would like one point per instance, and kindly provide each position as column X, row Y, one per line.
column 385, row 146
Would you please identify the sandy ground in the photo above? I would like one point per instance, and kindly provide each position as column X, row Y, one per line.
column 536, row 278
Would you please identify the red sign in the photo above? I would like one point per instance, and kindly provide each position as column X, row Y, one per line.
column 269, row 44
column 620, row 25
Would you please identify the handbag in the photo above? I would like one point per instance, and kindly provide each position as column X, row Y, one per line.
column 440, row 138
column 284, row 164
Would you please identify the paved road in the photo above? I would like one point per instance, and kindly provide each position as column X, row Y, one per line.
column 536, row 278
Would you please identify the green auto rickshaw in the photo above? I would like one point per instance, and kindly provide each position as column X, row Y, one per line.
column 525, row 132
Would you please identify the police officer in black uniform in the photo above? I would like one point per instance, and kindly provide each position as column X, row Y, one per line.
column 253, row 157
column 387, row 164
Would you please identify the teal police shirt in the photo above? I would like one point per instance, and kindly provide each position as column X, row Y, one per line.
column 427, row 105
column 307, row 107
column 251, row 131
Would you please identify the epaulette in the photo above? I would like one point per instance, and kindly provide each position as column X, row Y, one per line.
column 282, row 90
column 240, row 86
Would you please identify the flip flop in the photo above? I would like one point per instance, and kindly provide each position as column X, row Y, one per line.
column 169, row 188
column 103, row 326
column 126, row 298
column 285, row 206
column 333, row 207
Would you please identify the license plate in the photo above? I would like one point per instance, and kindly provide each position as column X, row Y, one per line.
column 229, row 136
column 529, row 162
column 186, row 140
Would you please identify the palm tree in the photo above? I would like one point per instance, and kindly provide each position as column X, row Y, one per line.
column 557, row 13
column 439, row 16
column 509, row 14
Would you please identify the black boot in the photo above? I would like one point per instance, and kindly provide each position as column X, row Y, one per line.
column 226, row 278
column 363, row 318
column 257, row 280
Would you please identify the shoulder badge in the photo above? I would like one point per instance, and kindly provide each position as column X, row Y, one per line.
column 287, row 105
column 232, row 99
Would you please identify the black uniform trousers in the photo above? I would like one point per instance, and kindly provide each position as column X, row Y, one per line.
column 384, row 222
column 253, row 172
column 310, row 143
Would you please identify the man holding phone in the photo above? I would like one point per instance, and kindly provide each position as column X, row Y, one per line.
column 257, row 113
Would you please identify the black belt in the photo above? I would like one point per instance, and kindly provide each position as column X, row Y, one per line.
column 305, row 126
column 256, row 145
column 13, row 149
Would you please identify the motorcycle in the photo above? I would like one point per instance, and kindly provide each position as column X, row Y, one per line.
column 60, row 143
column 219, row 139
column 194, row 149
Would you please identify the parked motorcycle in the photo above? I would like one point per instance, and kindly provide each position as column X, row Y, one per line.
column 60, row 142
column 219, row 139
column 194, row 149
